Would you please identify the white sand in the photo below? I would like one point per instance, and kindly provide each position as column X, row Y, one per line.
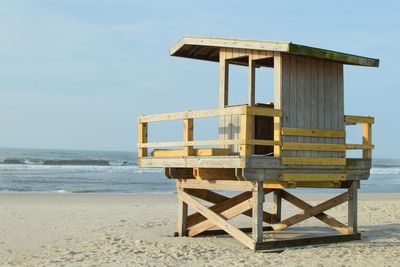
column 134, row 230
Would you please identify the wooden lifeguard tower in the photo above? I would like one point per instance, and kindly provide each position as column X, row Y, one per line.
column 298, row 141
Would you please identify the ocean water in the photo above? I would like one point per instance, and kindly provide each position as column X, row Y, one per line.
column 71, row 171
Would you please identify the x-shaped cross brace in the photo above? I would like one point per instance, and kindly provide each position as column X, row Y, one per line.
column 310, row 211
column 226, row 207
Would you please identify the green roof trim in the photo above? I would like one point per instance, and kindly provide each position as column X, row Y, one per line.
column 189, row 45
column 332, row 55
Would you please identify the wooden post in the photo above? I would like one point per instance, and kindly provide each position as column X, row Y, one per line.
column 276, row 207
column 277, row 136
column 223, row 92
column 257, row 214
column 367, row 140
column 252, row 81
column 142, row 138
column 277, row 101
column 223, row 79
column 187, row 136
column 352, row 208
column 181, row 224
column 246, row 133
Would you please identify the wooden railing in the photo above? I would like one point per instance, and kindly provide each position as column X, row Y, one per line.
column 246, row 139
column 366, row 123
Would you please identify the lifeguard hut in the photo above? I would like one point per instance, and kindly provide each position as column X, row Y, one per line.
column 298, row 141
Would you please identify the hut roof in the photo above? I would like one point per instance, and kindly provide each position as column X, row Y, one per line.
column 207, row 48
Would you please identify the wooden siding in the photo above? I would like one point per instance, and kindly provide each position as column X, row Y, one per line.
column 311, row 98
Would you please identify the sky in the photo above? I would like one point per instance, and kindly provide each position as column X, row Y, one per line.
column 76, row 74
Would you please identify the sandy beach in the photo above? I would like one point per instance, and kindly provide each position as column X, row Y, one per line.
column 133, row 230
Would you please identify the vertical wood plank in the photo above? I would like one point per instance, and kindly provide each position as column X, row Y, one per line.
column 321, row 97
column 314, row 100
column 246, row 132
column 334, row 99
column 257, row 211
column 181, row 224
column 307, row 99
column 223, row 92
column 277, row 136
column 277, row 80
column 341, row 126
column 277, row 99
column 300, row 98
column 235, row 128
column 285, row 98
column 276, row 206
column 328, row 102
column 252, row 81
column 142, row 138
column 352, row 208
column 223, row 79
column 187, row 136
column 292, row 103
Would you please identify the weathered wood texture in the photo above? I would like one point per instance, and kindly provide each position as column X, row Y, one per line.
column 352, row 207
column 312, row 98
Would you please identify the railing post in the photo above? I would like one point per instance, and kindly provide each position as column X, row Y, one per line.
column 277, row 136
column 367, row 140
column 142, row 138
column 246, row 132
column 187, row 136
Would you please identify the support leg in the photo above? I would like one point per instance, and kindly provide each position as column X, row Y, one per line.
column 352, row 208
column 276, row 206
column 257, row 210
column 181, row 225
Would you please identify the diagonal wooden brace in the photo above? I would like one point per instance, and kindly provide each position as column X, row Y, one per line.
column 216, row 219
column 312, row 211
column 338, row 226
column 222, row 202
column 218, row 208
column 226, row 214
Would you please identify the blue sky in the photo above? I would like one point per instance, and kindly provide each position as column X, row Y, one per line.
column 76, row 74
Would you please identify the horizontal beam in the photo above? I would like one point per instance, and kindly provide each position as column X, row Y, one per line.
column 359, row 146
column 313, row 177
column 262, row 111
column 211, row 142
column 196, row 152
column 192, row 162
column 215, row 185
column 308, row 241
column 313, row 132
column 349, row 119
column 193, row 114
column 313, row 146
column 312, row 161
column 214, row 174
column 236, row 110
